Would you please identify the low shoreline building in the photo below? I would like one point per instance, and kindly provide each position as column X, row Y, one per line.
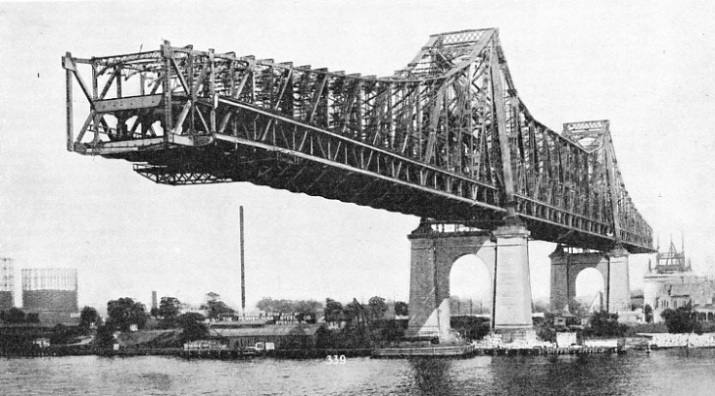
column 298, row 336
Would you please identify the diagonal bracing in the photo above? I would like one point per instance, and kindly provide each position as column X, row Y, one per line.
column 447, row 137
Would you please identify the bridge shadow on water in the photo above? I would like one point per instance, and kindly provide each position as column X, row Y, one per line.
column 573, row 375
column 562, row 375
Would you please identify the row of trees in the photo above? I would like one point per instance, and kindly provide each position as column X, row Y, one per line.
column 124, row 312
column 366, row 324
column 333, row 310
column 375, row 310
column 604, row 324
column 215, row 307
column 283, row 306
column 681, row 320
column 600, row 324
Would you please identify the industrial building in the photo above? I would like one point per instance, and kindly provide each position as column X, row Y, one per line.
column 51, row 293
column 297, row 336
column 7, row 284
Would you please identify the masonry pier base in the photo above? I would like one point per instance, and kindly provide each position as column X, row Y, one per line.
column 505, row 251
column 613, row 267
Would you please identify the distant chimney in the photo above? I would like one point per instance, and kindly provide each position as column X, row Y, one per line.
column 153, row 300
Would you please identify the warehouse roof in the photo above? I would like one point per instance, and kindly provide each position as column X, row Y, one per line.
column 271, row 330
column 689, row 289
column 241, row 323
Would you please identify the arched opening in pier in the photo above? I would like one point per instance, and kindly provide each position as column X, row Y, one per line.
column 590, row 292
column 470, row 287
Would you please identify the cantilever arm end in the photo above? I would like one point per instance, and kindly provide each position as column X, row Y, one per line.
column 68, row 63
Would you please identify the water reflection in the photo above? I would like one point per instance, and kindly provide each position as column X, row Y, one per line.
column 662, row 373
column 432, row 376
column 156, row 381
column 563, row 375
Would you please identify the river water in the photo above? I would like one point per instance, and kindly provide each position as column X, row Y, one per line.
column 663, row 372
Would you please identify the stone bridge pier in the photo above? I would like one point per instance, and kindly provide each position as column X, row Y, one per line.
column 505, row 252
column 613, row 267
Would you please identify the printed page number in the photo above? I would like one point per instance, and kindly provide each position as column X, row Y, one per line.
column 335, row 359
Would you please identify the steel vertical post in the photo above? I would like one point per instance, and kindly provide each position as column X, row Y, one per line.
column 166, row 54
column 212, row 93
column 498, row 92
column 613, row 189
column 494, row 289
column 94, row 81
column 70, row 127
column 243, row 266
column 608, row 285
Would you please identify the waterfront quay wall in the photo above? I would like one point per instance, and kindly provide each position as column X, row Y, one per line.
column 668, row 340
column 35, row 351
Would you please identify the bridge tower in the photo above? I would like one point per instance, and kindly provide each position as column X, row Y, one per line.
column 613, row 266
column 504, row 250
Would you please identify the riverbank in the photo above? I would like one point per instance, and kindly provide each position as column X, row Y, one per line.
column 470, row 350
column 464, row 351
column 685, row 340
column 188, row 354
column 665, row 372
column 644, row 342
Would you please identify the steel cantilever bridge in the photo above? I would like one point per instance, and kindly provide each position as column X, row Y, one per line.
column 446, row 138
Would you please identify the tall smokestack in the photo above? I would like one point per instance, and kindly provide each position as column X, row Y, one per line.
column 243, row 266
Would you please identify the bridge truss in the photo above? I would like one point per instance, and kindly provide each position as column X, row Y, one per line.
column 446, row 138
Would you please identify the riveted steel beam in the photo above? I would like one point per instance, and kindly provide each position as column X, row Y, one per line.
column 449, row 129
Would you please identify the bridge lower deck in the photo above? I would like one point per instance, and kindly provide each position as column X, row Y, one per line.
column 223, row 162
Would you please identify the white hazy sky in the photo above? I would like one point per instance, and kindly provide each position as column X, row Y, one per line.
column 649, row 67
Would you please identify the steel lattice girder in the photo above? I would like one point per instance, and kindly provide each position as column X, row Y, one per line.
column 447, row 137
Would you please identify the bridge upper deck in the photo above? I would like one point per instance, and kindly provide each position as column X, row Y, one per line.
column 446, row 138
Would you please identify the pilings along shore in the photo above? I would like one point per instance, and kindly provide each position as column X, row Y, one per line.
column 466, row 351
column 189, row 354
column 461, row 351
